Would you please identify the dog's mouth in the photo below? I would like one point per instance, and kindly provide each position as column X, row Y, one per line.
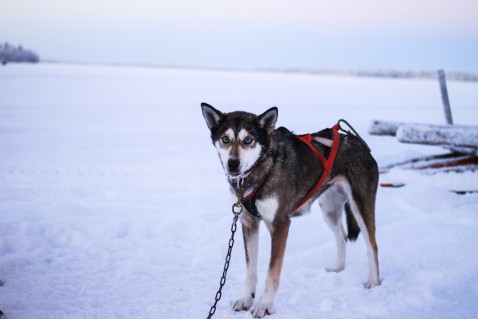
column 237, row 172
column 234, row 175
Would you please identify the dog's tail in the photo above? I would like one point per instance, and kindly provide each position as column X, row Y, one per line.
column 353, row 229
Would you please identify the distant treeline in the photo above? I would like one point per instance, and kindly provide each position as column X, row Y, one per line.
column 10, row 53
column 450, row 75
column 384, row 73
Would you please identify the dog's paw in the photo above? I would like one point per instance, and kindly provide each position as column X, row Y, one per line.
column 371, row 283
column 243, row 304
column 261, row 310
column 335, row 269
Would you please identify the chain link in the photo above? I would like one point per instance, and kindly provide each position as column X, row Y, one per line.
column 236, row 210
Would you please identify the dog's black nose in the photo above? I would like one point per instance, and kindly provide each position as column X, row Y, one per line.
column 233, row 165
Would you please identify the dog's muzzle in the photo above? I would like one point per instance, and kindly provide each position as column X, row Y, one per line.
column 233, row 167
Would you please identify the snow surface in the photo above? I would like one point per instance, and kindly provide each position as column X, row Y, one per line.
column 113, row 203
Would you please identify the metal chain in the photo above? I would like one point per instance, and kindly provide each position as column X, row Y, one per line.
column 236, row 210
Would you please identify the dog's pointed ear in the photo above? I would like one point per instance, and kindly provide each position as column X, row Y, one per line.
column 211, row 115
column 268, row 119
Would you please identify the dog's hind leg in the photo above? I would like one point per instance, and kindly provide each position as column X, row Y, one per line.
column 362, row 205
column 250, row 232
column 331, row 203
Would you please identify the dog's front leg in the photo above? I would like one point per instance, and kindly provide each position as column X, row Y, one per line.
column 279, row 230
column 250, row 232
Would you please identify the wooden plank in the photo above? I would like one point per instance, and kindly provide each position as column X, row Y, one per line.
column 448, row 163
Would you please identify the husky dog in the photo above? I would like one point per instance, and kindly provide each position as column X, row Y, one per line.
column 272, row 171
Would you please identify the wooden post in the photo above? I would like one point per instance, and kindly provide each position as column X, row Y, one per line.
column 444, row 97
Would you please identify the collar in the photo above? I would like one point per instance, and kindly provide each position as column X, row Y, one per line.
column 249, row 202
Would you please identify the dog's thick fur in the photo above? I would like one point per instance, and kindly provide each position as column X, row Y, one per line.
column 252, row 152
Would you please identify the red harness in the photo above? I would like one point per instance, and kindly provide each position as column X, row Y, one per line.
column 327, row 163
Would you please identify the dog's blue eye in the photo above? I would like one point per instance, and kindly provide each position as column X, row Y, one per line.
column 225, row 139
column 247, row 140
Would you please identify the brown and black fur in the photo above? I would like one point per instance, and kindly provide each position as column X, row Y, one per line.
column 286, row 170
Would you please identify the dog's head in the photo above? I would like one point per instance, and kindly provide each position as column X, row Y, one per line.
column 240, row 138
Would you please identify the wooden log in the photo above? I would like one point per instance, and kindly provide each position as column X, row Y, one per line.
column 453, row 136
column 384, row 128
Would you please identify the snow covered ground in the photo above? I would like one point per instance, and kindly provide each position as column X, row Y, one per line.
column 113, row 203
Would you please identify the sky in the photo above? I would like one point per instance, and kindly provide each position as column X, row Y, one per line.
column 260, row 34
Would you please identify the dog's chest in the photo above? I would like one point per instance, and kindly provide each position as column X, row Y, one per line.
column 267, row 208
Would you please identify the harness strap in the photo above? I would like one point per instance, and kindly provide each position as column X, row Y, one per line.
column 326, row 163
column 307, row 139
column 249, row 202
